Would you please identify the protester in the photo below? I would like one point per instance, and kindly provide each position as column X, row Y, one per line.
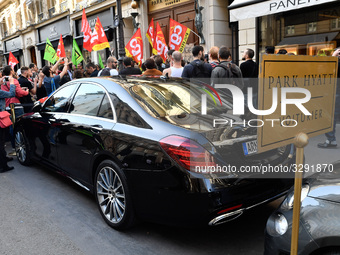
column 151, row 68
column 213, row 56
column 51, row 82
column 282, row 52
column 176, row 70
column 197, row 68
column 226, row 72
column 159, row 63
column 78, row 74
column 128, row 68
column 34, row 70
column 331, row 138
column 91, row 69
column 24, row 81
column 3, row 157
column 270, row 49
column 169, row 58
column 111, row 65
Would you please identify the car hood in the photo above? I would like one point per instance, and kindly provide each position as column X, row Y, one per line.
column 326, row 185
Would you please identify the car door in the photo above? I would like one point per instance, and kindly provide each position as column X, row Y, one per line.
column 45, row 125
column 83, row 130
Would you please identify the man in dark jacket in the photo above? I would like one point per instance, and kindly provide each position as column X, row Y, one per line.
column 250, row 74
column 128, row 69
column 197, row 68
column 226, row 72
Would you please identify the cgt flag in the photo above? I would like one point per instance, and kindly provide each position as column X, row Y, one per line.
column 50, row 54
column 151, row 36
column 178, row 36
column 12, row 61
column 159, row 43
column 98, row 37
column 61, row 49
column 134, row 48
column 77, row 57
column 85, row 28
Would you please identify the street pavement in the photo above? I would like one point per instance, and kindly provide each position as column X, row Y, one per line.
column 44, row 213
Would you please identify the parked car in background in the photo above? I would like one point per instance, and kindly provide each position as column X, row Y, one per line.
column 136, row 142
column 319, row 218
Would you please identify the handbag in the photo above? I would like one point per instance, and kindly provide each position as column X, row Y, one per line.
column 5, row 120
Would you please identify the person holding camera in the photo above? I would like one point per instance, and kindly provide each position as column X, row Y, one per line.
column 3, row 95
column 331, row 139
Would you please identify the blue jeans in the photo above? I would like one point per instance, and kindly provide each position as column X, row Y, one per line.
column 331, row 135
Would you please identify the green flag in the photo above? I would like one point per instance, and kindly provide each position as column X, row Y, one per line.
column 77, row 57
column 100, row 61
column 50, row 54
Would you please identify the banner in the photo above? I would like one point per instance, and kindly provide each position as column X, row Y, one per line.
column 100, row 61
column 50, row 54
column 85, row 28
column 12, row 61
column 151, row 36
column 178, row 36
column 98, row 37
column 61, row 49
column 77, row 57
column 134, row 48
column 159, row 43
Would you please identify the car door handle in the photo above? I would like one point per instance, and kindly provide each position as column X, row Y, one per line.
column 96, row 128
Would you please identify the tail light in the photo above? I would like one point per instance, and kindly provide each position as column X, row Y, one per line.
column 187, row 153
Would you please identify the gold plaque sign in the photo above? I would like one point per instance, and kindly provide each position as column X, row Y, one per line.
column 318, row 75
column 155, row 5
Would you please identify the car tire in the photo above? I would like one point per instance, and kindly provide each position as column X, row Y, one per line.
column 113, row 196
column 22, row 148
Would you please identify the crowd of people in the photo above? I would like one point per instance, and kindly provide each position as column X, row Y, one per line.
column 29, row 84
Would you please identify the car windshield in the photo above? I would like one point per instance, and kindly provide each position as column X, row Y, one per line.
column 175, row 98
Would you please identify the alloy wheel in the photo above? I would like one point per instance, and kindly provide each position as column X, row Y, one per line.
column 111, row 195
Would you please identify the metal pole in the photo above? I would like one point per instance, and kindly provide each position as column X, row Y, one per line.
column 301, row 140
column 121, row 44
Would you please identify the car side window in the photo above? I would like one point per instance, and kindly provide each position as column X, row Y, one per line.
column 87, row 100
column 58, row 102
column 105, row 110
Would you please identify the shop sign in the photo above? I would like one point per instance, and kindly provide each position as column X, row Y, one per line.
column 106, row 19
column 155, row 5
column 13, row 44
column 316, row 74
column 54, row 30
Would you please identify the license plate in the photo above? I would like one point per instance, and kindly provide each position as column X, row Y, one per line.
column 249, row 147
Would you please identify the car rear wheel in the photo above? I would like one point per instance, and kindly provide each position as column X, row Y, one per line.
column 22, row 148
column 113, row 196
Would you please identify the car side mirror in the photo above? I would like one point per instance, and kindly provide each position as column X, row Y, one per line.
column 37, row 107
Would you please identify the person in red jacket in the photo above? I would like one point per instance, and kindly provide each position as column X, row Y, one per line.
column 19, row 92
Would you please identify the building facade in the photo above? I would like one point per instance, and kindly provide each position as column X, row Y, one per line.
column 25, row 33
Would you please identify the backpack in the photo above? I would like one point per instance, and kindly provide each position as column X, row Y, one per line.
column 199, row 70
column 233, row 74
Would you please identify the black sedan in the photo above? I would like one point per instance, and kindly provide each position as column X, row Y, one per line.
column 139, row 144
column 319, row 231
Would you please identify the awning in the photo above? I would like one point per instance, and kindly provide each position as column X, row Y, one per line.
column 305, row 39
column 245, row 9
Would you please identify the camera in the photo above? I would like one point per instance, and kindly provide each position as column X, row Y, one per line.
column 6, row 78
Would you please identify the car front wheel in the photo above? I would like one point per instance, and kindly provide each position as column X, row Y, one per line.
column 113, row 196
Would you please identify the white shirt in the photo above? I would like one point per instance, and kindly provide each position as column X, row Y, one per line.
column 113, row 72
column 176, row 72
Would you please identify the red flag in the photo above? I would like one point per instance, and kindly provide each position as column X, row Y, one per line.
column 61, row 49
column 151, row 35
column 178, row 36
column 85, row 28
column 12, row 61
column 98, row 38
column 159, row 43
column 134, row 48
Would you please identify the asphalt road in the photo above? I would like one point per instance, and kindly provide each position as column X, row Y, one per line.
column 44, row 213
